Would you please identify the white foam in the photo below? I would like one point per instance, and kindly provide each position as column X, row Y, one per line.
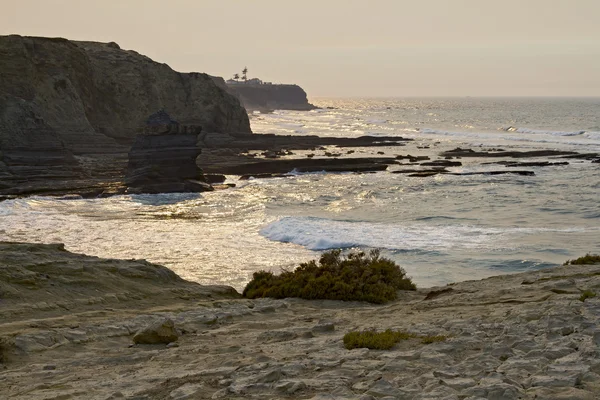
column 575, row 138
column 322, row 234
column 542, row 132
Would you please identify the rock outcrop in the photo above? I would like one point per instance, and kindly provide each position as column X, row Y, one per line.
column 267, row 97
column 67, row 329
column 32, row 150
column 163, row 158
column 63, row 98
column 161, row 331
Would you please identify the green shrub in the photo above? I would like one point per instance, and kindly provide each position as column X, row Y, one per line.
column 433, row 339
column 371, row 339
column 589, row 258
column 587, row 294
column 354, row 277
column 374, row 340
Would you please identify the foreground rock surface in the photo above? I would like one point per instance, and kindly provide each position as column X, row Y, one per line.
column 525, row 336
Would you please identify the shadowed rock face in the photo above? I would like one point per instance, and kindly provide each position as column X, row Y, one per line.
column 33, row 150
column 60, row 98
column 271, row 97
column 97, row 94
column 163, row 158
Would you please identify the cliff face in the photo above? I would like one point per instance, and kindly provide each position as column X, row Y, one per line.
column 32, row 149
column 271, row 97
column 61, row 97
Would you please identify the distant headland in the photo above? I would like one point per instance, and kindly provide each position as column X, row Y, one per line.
column 258, row 95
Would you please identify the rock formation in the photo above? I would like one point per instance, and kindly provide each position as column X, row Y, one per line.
column 69, row 324
column 267, row 97
column 163, row 158
column 32, row 150
column 63, row 98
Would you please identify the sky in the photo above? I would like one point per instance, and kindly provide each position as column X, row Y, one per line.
column 342, row 48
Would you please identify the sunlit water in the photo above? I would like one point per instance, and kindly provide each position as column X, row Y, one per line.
column 440, row 229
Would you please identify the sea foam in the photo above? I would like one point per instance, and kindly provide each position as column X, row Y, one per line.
column 322, row 234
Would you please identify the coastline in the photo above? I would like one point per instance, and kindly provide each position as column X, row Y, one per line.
column 512, row 336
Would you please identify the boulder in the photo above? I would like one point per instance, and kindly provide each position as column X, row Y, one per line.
column 160, row 332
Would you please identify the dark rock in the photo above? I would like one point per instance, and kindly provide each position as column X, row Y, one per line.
column 420, row 171
column 524, row 173
column 252, row 167
column 214, row 178
column 514, row 154
column 262, row 176
column 266, row 97
column 412, row 159
column 424, row 174
column 583, row 156
column 437, row 293
column 160, row 332
column 529, row 164
column 442, row 163
column 165, row 162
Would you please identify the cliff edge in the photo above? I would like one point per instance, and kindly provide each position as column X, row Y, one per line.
column 268, row 97
column 62, row 98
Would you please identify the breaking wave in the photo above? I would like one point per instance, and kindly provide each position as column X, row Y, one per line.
column 323, row 234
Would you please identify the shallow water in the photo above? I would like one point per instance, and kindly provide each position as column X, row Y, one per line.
column 440, row 229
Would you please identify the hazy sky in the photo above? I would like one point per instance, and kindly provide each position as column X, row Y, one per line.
column 348, row 47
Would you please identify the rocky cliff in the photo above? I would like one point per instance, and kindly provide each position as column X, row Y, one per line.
column 60, row 98
column 266, row 97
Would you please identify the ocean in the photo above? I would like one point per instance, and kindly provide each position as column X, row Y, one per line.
column 440, row 229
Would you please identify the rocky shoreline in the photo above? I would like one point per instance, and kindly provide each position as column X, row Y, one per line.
column 65, row 335
column 94, row 120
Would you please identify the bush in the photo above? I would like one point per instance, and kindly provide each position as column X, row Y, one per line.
column 354, row 277
column 585, row 260
column 587, row 294
column 433, row 339
column 374, row 340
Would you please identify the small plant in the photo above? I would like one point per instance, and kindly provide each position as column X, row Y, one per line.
column 374, row 340
column 587, row 294
column 588, row 259
column 354, row 277
column 433, row 339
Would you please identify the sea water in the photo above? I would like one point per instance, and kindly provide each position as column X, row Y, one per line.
column 439, row 229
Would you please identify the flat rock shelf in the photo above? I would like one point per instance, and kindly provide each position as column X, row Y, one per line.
column 522, row 336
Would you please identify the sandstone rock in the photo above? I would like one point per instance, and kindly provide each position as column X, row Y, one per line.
column 187, row 391
column 162, row 331
column 323, row 327
column 163, row 159
column 383, row 388
column 291, row 386
column 60, row 98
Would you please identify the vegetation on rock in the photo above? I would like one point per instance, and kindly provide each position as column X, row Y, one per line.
column 374, row 340
column 371, row 339
column 587, row 294
column 354, row 277
column 589, row 258
column 433, row 339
